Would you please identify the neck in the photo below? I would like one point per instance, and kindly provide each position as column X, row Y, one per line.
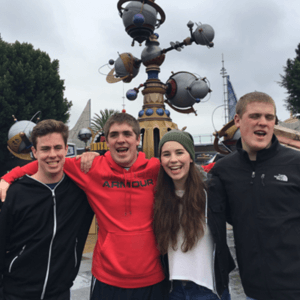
column 48, row 179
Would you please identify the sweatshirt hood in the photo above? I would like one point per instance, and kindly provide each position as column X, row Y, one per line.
column 140, row 162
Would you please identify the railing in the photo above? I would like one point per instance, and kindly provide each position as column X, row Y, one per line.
column 203, row 139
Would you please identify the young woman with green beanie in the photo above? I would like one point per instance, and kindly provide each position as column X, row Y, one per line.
column 188, row 227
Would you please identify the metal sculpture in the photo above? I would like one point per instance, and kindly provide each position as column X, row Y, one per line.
column 19, row 138
column 182, row 90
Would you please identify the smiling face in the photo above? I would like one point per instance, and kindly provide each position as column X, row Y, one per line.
column 256, row 126
column 50, row 153
column 176, row 162
column 122, row 143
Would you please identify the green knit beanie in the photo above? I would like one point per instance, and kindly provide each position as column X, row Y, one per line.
column 181, row 137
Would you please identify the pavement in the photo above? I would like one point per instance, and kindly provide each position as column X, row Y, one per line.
column 81, row 287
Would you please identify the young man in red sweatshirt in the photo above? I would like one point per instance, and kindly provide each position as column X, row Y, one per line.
column 120, row 189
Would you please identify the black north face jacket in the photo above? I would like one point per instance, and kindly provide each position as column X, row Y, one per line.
column 263, row 202
column 42, row 236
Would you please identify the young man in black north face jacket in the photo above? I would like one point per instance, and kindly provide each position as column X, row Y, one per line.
column 44, row 224
column 259, row 185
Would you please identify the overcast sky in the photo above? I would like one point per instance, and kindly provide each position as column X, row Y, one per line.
column 255, row 36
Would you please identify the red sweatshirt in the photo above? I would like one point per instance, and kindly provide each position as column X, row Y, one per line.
column 126, row 253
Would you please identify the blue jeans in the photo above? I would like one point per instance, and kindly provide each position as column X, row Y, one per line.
column 191, row 291
column 248, row 298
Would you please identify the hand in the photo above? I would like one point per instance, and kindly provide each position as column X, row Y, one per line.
column 3, row 189
column 87, row 159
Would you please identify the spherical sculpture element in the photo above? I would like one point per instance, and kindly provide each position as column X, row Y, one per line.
column 131, row 95
column 127, row 65
column 123, row 111
column 197, row 100
column 199, row 89
column 138, row 20
column 141, row 113
column 185, row 88
column 204, row 35
column 111, row 62
column 149, row 112
column 160, row 111
column 167, row 112
column 84, row 134
column 142, row 31
column 16, row 135
column 152, row 54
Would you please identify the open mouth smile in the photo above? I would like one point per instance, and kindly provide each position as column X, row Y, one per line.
column 122, row 150
column 52, row 163
column 175, row 168
column 260, row 133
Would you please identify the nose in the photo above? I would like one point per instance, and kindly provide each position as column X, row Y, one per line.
column 262, row 121
column 120, row 138
column 52, row 152
column 173, row 157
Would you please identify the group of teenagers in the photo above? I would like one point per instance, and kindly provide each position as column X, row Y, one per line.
column 162, row 223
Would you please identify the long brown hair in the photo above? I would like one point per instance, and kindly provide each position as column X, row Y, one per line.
column 167, row 218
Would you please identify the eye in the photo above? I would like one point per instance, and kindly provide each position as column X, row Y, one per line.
column 270, row 117
column 254, row 116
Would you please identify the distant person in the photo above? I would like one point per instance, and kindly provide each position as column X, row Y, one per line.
column 190, row 228
column 120, row 189
column 44, row 224
column 259, row 186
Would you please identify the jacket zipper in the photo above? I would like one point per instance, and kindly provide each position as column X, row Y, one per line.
column 53, row 236
column 214, row 277
column 262, row 179
column 75, row 252
column 12, row 262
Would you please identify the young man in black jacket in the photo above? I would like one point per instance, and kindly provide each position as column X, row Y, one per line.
column 44, row 224
column 259, row 186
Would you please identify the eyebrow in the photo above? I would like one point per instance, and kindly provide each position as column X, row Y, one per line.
column 124, row 132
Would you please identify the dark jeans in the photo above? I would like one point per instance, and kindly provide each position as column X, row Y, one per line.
column 191, row 291
column 62, row 296
column 103, row 291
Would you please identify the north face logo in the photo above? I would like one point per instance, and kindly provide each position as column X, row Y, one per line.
column 281, row 177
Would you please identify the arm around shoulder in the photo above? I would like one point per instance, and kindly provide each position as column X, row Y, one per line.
column 18, row 172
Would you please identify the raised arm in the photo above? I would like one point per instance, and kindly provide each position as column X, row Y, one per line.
column 14, row 174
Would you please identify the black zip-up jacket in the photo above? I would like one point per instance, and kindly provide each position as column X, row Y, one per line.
column 42, row 236
column 263, row 201
column 223, row 261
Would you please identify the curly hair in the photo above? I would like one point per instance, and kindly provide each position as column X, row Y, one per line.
column 167, row 216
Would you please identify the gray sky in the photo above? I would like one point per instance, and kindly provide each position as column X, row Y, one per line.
column 255, row 36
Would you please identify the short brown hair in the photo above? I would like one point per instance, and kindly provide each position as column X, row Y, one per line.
column 250, row 98
column 49, row 126
column 121, row 118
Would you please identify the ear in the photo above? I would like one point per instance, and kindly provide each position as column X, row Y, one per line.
column 67, row 146
column 138, row 140
column 33, row 152
column 237, row 120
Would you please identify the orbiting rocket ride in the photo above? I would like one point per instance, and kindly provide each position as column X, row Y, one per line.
column 181, row 91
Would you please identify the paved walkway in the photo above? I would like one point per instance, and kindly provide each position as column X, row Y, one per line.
column 81, row 287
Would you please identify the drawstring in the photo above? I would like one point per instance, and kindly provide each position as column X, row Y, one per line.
column 130, row 192
column 125, row 180
column 128, row 203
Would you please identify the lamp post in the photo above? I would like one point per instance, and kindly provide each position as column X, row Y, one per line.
column 84, row 135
